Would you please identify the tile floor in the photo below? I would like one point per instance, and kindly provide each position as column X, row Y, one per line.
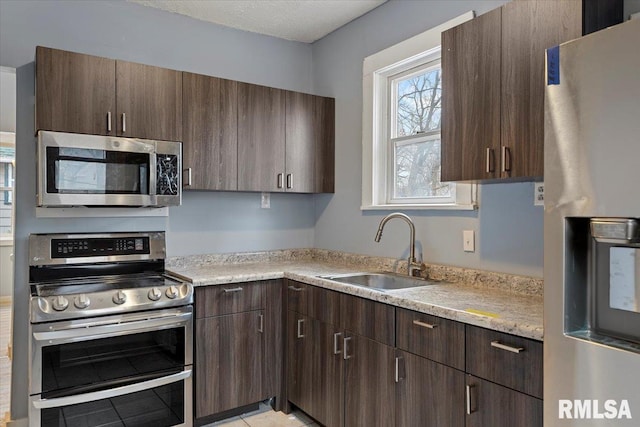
column 267, row 417
column 5, row 363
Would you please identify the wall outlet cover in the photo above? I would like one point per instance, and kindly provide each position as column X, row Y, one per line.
column 538, row 194
column 469, row 241
column 265, row 200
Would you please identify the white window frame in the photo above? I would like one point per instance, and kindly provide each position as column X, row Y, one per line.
column 377, row 170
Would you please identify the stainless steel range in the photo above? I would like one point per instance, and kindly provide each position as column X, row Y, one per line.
column 111, row 333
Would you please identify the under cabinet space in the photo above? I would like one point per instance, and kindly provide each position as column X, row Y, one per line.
column 432, row 337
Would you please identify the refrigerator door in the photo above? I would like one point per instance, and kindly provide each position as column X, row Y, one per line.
column 592, row 169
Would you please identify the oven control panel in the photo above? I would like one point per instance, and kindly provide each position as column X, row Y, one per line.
column 105, row 246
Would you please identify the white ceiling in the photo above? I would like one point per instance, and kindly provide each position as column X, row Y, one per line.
column 300, row 20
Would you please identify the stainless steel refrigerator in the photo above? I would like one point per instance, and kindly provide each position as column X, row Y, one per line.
column 592, row 230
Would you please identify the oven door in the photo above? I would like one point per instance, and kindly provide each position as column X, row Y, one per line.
column 133, row 369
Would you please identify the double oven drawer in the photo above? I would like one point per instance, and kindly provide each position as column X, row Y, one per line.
column 127, row 370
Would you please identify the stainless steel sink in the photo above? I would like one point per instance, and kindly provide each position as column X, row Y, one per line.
column 380, row 281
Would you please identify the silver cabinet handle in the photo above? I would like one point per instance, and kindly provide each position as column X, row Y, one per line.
column 489, row 164
column 280, row 178
column 424, row 325
column 106, row 394
column 335, row 343
column 230, row 290
column 300, row 334
column 261, row 327
column 188, row 171
column 505, row 159
column 498, row 344
column 468, row 399
column 293, row 288
column 124, row 122
column 289, row 180
column 398, row 378
column 345, row 356
column 108, row 121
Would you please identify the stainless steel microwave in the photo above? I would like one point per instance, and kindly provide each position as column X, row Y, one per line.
column 92, row 170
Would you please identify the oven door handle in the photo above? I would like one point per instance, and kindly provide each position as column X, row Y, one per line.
column 114, row 392
column 88, row 332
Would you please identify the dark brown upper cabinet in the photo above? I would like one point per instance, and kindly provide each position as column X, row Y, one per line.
column 75, row 93
column 471, row 98
column 79, row 93
column 261, row 138
column 210, row 132
column 309, row 148
column 149, row 101
column 493, row 84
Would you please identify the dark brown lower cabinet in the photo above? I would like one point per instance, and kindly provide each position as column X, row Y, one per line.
column 492, row 405
column 315, row 374
column 230, row 357
column 428, row 393
column 369, row 382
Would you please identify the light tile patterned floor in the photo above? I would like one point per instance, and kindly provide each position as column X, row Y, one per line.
column 5, row 363
column 266, row 417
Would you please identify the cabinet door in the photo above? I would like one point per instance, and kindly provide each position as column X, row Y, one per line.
column 75, row 93
column 229, row 362
column 261, row 138
column 314, row 368
column 471, row 99
column 528, row 29
column 369, row 383
column 149, row 101
column 428, row 394
column 489, row 404
column 210, row 132
column 310, row 139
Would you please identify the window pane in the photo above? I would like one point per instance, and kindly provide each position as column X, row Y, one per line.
column 417, row 170
column 418, row 103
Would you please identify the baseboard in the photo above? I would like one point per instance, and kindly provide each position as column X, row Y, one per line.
column 23, row 422
column 5, row 301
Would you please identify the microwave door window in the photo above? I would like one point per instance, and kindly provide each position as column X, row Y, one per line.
column 87, row 171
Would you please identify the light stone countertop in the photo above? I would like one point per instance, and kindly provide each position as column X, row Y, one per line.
column 496, row 309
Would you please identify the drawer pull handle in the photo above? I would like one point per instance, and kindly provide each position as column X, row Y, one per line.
column 498, row 344
column 293, row 288
column 399, row 377
column 425, row 325
column 335, row 343
column 230, row 290
column 108, row 121
column 345, row 356
column 300, row 334
column 468, row 396
column 261, row 328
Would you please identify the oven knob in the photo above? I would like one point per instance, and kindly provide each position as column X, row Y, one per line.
column 154, row 294
column 172, row 292
column 120, row 298
column 60, row 303
column 82, row 301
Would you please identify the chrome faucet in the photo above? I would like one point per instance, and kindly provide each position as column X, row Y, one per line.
column 414, row 268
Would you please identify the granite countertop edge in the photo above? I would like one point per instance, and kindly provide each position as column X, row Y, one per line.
column 429, row 299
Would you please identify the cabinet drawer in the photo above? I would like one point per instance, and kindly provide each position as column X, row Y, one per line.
column 368, row 318
column 313, row 301
column 298, row 296
column 231, row 298
column 505, row 359
column 432, row 337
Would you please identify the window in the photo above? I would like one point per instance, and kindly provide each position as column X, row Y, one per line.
column 7, row 174
column 402, row 92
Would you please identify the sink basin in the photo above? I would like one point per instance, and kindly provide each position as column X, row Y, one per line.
column 380, row 281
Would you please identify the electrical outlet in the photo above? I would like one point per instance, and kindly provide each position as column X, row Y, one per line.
column 265, row 200
column 469, row 241
column 538, row 194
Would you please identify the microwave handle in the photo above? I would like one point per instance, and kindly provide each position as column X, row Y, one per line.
column 114, row 392
column 153, row 160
